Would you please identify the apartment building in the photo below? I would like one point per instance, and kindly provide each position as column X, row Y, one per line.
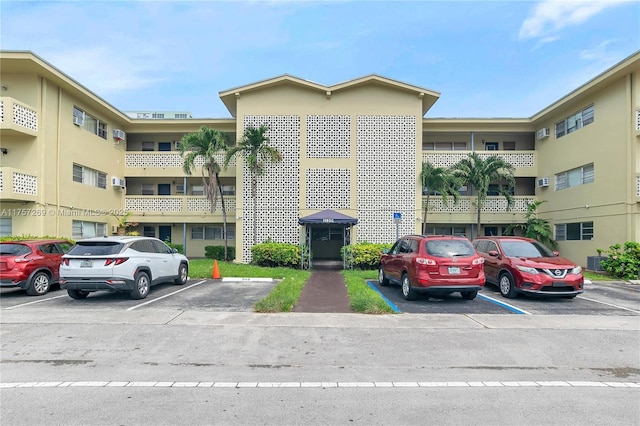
column 352, row 154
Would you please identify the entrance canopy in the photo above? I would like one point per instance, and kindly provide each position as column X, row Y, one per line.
column 328, row 216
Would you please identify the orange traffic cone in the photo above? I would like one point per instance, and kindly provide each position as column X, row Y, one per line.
column 216, row 272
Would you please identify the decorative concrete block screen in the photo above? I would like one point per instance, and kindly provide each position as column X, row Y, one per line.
column 328, row 136
column 386, row 176
column 278, row 195
column 25, row 117
column 25, row 184
column 328, row 189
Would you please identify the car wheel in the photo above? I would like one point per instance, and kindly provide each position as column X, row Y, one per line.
column 407, row 291
column 469, row 295
column 77, row 294
column 40, row 284
column 183, row 273
column 381, row 278
column 141, row 286
column 507, row 286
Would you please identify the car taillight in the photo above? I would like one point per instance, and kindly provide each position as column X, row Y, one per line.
column 115, row 261
column 425, row 261
column 65, row 262
column 478, row 261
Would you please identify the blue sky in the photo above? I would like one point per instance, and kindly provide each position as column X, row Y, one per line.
column 486, row 58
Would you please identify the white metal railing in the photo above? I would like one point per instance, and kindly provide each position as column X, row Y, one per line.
column 466, row 204
column 449, row 158
column 176, row 204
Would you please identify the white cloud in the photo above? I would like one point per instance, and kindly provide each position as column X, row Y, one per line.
column 550, row 16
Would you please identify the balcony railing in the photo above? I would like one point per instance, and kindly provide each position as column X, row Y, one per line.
column 17, row 118
column 163, row 159
column 523, row 161
column 638, row 188
column 18, row 185
column 466, row 204
column 176, row 204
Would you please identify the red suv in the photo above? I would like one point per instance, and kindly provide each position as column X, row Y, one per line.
column 522, row 265
column 32, row 265
column 437, row 264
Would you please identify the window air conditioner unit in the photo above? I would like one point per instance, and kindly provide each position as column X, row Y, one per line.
column 78, row 121
column 543, row 133
column 118, row 183
column 114, row 229
column 119, row 135
column 176, row 145
column 543, row 182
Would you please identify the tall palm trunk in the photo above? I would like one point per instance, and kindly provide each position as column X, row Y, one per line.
column 254, row 193
column 424, row 218
column 224, row 218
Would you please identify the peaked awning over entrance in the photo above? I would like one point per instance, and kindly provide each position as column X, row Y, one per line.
column 328, row 216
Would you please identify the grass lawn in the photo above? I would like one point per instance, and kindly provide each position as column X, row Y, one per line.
column 599, row 277
column 285, row 295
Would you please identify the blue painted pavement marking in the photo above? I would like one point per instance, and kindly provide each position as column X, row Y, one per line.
column 389, row 302
column 504, row 305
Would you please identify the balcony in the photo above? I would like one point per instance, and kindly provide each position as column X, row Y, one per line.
column 189, row 205
column 17, row 118
column 18, row 185
column 163, row 163
column 493, row 211
column 524, row 161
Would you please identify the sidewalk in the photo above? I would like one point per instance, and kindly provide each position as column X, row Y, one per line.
column 325, row 291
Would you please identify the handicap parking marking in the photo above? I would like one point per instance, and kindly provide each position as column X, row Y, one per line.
column 504, row 305
column 36, row 301
column 165, row 296
column 387, row 301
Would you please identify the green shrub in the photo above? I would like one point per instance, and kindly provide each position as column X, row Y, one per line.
column 217, row 252
column 178, row 247
column 623, row 263
column 276, row 254
column 34, row 237
column 363, row 255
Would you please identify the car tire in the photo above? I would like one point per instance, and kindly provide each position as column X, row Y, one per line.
column 407, row 290
column 507, row 285
column 77, row 294
column 141, row 286
column 183, row 273
column 40, row 284
column 469, row 295
column 384, row 281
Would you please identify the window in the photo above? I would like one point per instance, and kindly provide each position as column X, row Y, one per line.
column 164, row 189
column 228, row 190
column 181, row 115
column 157, row 115
column 5, row 227
column 148, row 146
column 444, row 146
column 575, row 121
column 197, row 190
column 80, row 229
column 509, row 146
column 575, row 177
column 89, row 122
column 445, row 230
column 491, row 146
column 179, row 189
column 574, row 231
column 164, row 146
column 89, row 176
column 149, row 231
column 211, row 233
column 147, row 189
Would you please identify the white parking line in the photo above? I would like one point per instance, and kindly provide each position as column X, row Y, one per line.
column 166, row 295
column 36, row 301
column 299, row 385
column 608, row 304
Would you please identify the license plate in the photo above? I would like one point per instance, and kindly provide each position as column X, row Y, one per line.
column 454, row 270
column 559, row 284
column 86, row 264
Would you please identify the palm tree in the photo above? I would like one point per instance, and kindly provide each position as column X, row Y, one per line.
column 534, row 227
column 479, row 173
column 206, row 144
column 255, row 149
column 441, row 180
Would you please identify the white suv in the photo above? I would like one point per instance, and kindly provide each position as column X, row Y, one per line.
column 123, row 263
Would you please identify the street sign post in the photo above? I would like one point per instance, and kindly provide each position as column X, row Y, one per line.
column 397, row 218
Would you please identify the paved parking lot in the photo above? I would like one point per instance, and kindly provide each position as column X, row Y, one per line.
column 240, row 296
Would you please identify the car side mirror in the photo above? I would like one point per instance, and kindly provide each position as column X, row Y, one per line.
column 385, row 251
column 173, row 250
column 494, row 253
column 556, row 253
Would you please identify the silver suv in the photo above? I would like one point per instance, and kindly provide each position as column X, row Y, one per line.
column 120, row 263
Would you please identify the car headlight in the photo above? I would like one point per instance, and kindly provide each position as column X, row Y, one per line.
column 576, row 270
column 527, row 269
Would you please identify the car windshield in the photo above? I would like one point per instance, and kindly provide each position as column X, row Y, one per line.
column 525, row 249
column 449, row 248
column 14, row 249
column 95, row 248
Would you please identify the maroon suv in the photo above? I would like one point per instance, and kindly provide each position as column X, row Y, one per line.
column 31, row 265
column 436, row 264
column 522, row 265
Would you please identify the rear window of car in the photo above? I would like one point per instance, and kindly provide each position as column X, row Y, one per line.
column 449, row 248
column 95, row 248
column 525, row 249
column 10, row 249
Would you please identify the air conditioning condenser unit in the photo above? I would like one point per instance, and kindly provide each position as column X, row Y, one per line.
column 543, row 182
column 116, row 182
column 543, row 133
column 119, row 135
